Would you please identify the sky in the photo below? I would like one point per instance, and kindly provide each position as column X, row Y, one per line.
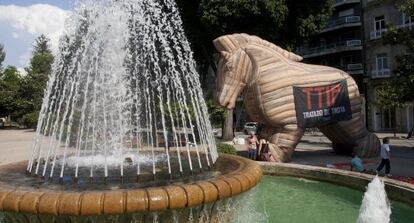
column 22, row 21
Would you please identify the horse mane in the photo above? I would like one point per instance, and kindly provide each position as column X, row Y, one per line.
column 230, row 43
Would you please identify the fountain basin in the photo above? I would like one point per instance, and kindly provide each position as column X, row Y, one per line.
column 396, row 190
column 299, row 193
column 57, row 200
column 296, row 199
column 286, row 193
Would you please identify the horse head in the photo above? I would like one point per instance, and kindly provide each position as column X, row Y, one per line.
column 235, row 68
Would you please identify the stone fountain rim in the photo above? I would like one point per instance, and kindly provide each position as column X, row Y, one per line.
column 122, row 201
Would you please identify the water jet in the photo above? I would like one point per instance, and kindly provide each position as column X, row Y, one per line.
column 123, row 131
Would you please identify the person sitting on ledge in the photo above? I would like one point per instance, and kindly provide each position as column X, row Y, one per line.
column 356, row 163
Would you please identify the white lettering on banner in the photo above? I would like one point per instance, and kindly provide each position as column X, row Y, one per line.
column 312, row 114
column 338, row 110
column 323, row 112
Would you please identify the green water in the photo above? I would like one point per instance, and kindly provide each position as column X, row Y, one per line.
column 287, row 199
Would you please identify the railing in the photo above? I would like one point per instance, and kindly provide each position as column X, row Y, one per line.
column 377, row 33
column 330, row 48
column 339, row 2
column 407, row 25
column 343, row 20
column 354, row 66
column 350, row 67
column 381, row 73
column 354, row 42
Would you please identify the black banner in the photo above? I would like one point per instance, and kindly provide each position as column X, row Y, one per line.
column 321, row 105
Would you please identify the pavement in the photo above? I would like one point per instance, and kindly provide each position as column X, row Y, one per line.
column 15, row 145
column 317, row 151
column 314, row 149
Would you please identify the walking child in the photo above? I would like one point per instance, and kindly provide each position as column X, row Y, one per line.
column 385, row 157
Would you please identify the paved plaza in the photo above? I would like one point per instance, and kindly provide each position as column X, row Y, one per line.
column 315, row 149
column 15, row 145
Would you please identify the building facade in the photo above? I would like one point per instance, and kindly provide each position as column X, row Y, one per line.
column 380, row 63
column 340, row 44
column 352, row 41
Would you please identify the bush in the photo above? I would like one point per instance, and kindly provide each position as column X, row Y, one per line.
column 226, row 148
column 30, row 120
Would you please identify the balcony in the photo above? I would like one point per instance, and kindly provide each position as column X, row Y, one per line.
column 406, row 25
column 354, row 68
column 341, row 22
column 381, row 73
column 377, row 34
column 343, row 2
column 373, row 2
column 349, row 45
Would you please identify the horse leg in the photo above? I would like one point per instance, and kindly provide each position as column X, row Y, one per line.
column 283, row 143
column 351, row 135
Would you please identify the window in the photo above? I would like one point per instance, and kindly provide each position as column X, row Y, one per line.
column 387, row 118
column 379, row 27
column 381, row 66
column 407, row 19
column 382, row 61
column 379, row 23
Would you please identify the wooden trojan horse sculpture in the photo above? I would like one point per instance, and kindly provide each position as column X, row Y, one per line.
column 288, row 96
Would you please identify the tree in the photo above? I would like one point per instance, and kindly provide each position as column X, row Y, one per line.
column 399, row 89
column 34, row 83
column 2, row 57
column 9, row 86
column 408, row 7
column 217, row 114
column 389, row 97
column 284, row 22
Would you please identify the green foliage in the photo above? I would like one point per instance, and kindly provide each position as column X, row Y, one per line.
column 176, row 111
column 41, row 45
column 226, row 148
column 21, row 97
column 2, row 57
column 34, row 83
column 399, row 89
column 262, row 17
column 30, row 120
column 407, row 7
column 9, row 86
column 389, row 96
column 217, row 113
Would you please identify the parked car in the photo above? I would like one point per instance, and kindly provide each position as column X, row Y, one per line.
column 250, row 127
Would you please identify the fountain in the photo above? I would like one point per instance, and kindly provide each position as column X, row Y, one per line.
column 123, row 132
column 124, row 137
column 375, row 205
